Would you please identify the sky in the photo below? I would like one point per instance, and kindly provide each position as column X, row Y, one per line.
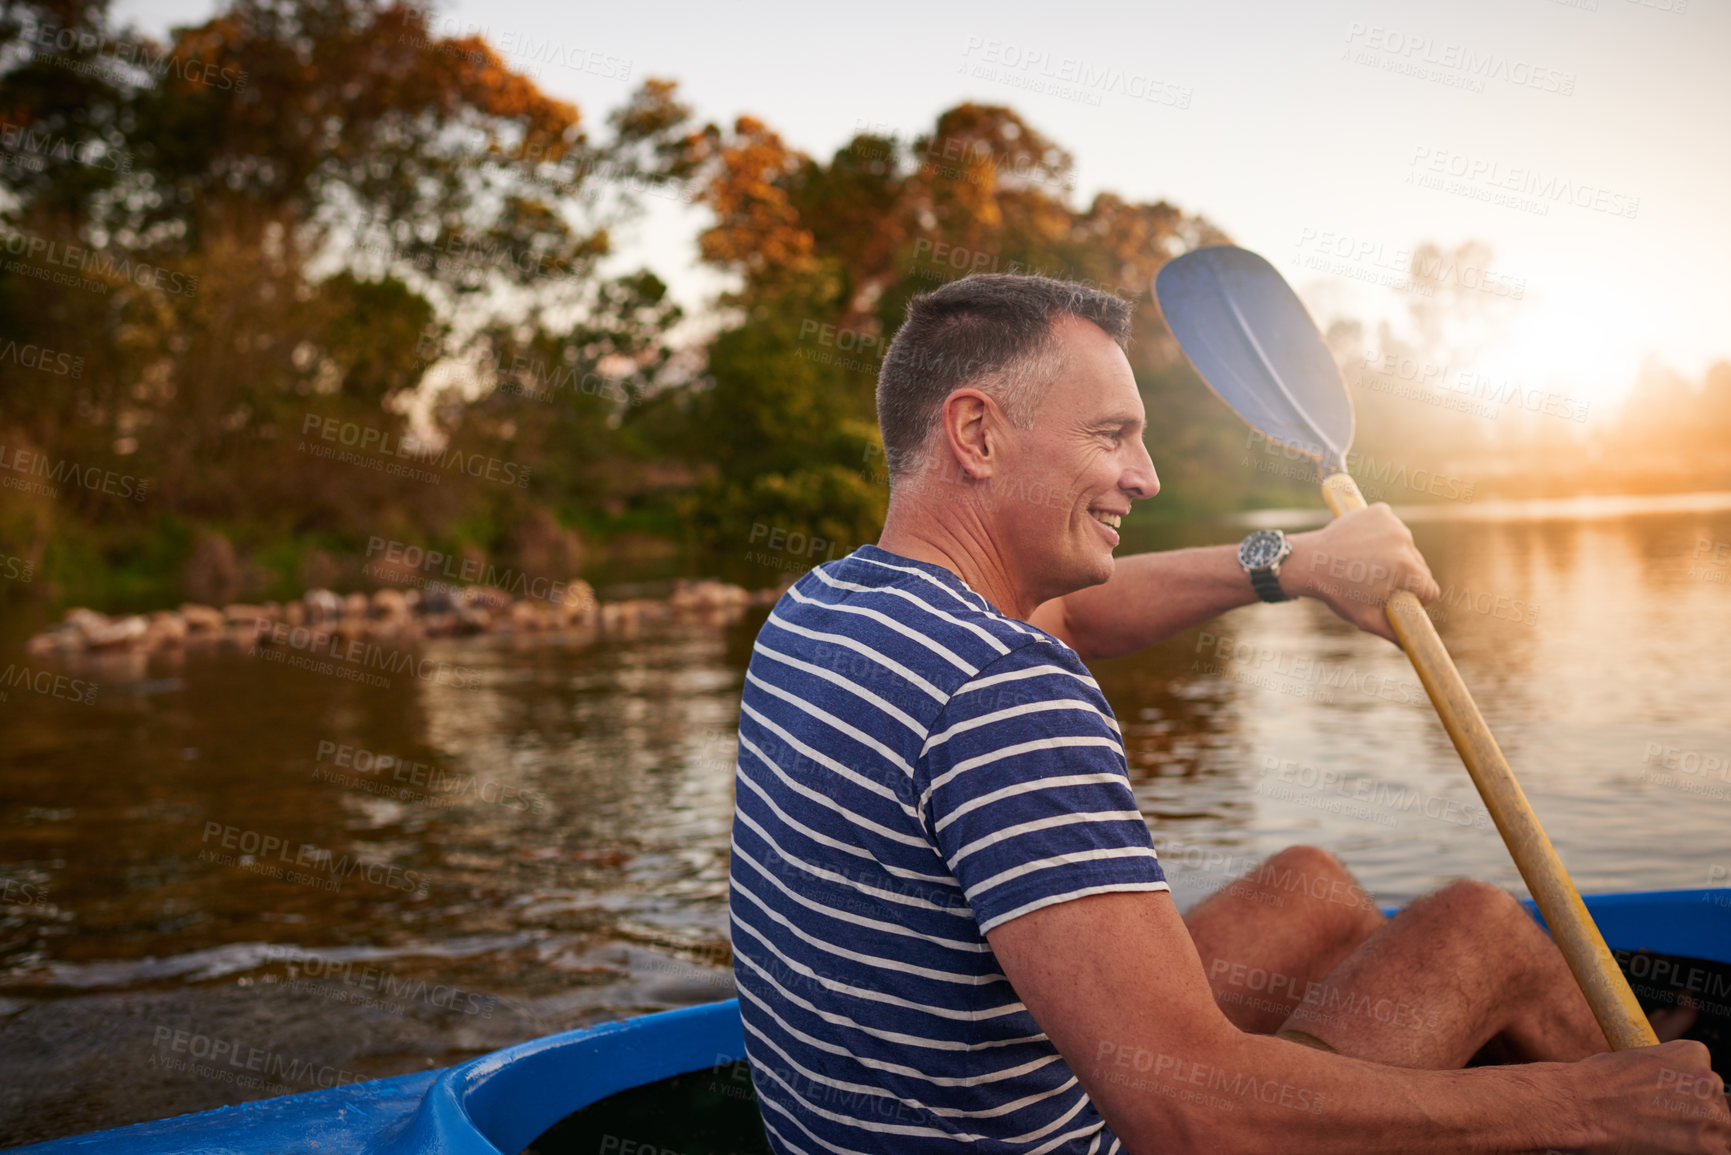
column 1584, row 141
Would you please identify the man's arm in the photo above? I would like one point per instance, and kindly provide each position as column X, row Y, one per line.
column 1115, row 982
column 1352, row 564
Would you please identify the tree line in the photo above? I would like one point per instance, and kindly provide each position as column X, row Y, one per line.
column 309, row 276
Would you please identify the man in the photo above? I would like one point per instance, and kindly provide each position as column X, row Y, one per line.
column 950, row 927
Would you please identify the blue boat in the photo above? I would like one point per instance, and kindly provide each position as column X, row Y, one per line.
column 1671, row 943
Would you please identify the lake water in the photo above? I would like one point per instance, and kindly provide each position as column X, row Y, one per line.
column 550, row 848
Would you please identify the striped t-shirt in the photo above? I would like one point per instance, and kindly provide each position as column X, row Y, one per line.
column 915, row 769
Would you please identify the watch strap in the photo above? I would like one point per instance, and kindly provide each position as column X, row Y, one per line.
column 1267, row 585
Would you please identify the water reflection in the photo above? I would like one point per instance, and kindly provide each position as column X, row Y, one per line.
column 562, row 824
column 1593, row 643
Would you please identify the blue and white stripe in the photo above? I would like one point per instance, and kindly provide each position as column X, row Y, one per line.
column 915, row 769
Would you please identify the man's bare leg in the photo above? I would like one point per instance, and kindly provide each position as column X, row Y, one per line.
column 1277, row 931
column 1460, row 973
column 1460, row 976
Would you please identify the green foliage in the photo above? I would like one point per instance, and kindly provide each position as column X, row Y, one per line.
column 830, row 502
column 885, row 220
column 282, row 244
column 343, row 232
column 788, row 432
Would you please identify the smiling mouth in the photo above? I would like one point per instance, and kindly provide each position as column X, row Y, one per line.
column 1111, row 519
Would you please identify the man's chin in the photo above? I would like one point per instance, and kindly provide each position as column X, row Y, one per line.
column 1097, row 571
column 1081, row 569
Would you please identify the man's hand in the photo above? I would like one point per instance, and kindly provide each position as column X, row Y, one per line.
column 1663, row 1098
column 1116, row 983
column 1355, row 563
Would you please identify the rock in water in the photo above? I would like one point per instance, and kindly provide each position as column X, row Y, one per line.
column 201, row 619
column 118, row 635
column 322, row 606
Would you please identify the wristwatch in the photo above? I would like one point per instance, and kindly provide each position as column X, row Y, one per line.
column 1261, row 554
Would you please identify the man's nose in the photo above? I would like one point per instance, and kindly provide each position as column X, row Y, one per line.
column 1140, row 481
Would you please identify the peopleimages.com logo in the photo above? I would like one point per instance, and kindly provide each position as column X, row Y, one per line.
column 32, row 463
column 97, row 265
column 379, row 444
column 98, row 53
column 42, row 359
column 32, row 149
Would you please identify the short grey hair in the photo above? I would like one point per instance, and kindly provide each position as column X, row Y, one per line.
column 993, row 331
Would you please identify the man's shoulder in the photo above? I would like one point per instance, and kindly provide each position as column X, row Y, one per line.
column 1038, row 668
column 880, row 613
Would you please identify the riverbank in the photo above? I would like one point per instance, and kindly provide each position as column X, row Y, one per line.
column 320, row 619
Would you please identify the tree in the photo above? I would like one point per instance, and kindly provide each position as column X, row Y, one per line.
column 829, row 254
column 282, row 219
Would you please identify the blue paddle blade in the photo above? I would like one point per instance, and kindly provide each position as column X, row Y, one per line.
column 1254, row 344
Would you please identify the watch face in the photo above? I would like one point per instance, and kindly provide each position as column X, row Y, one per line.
column 1260, row 549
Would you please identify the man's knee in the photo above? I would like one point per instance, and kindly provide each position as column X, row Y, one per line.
column 1477, row 903
column 1492, row 923
column 1302, row 861
column 1310, row 872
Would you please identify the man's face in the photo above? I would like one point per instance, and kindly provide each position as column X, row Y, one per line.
column 1078, row 468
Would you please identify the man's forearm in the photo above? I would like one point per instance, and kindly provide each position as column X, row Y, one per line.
column 1267, row 1094
column 1150, row 597
column 1352, row 564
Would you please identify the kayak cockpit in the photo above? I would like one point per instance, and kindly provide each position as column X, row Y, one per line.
column 1675, row 947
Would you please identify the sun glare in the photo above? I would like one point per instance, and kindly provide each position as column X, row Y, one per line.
column 1582, row 343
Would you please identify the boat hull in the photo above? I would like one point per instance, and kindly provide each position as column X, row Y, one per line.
column 502, row 1101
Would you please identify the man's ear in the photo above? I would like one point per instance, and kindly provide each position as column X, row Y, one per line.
column 972, row 427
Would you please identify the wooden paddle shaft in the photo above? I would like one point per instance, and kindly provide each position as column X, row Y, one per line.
column 1608, row 993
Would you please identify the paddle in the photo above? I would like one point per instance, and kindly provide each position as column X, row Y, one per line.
column 1253, row 343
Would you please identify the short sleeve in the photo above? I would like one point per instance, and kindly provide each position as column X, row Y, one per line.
column 1024, row 789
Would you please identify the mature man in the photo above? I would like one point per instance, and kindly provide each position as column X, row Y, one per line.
column 949, row 924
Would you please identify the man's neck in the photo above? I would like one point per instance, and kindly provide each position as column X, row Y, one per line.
column 965, row 549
